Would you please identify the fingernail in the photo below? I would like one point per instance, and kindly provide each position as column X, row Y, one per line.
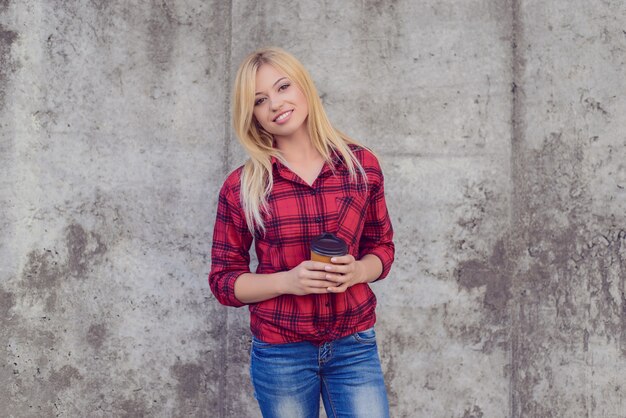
column 333, row 260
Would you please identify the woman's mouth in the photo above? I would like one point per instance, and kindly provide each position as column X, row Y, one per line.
column 283, row 117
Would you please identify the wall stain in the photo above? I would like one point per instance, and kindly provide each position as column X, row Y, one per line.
column 45, row 119
column 162, row 32
column 42, row 269
column 390, row 374
column 566, row 259
column 7, row 302
column 63, row 378
column 23, row 383
column 42, row 338
column 377, row 37
column 7, row 38
column 7, row 66
column 571, row 274
column 191, row 379
column 45, row 269
column 134, row 409
column 96, row 335
column 592, row 105
column 493, row 274
column 550, row 241
column 8, row 326
column 474, row 412
column 197, row 388
column 80, row 255
column 101, row 5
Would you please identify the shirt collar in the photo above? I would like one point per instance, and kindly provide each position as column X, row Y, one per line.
column 337, row 161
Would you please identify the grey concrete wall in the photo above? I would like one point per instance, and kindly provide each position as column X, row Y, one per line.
column 500, row 125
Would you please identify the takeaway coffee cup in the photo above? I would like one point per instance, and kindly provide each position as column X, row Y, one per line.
column 326, row 246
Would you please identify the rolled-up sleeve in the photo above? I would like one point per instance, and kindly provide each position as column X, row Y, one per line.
column 230, row 255
column 377, row 236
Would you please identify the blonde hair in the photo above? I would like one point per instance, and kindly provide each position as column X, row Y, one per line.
column 256, row 177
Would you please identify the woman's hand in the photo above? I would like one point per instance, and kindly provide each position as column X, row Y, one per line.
column 345, row 271
column 307, row 278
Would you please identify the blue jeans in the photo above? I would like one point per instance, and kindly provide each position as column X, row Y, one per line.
column 289, row 378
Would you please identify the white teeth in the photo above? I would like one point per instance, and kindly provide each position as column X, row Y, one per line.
column 283, row 116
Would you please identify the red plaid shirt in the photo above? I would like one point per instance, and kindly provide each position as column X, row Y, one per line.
column 299, row 212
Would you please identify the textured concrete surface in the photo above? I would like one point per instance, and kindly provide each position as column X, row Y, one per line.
column 569, row 349
column 500, row 126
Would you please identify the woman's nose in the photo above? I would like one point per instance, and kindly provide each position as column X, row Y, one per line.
column 276, row 103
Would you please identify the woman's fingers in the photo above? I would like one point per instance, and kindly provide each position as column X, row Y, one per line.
column 344, row 259
column 319, row 284
column 338, row 289
column 318, row 277
column 314, row 275
column 337, row 278
column 341, row 269
column 315, row 265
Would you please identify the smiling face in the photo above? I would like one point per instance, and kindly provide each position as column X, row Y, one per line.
column 280, row 107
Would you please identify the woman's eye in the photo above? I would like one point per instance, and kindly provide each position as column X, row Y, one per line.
column 259, row 101
column 284, row 87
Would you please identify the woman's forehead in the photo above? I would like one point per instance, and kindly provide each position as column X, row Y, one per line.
column 266, row 70
column 267, row 76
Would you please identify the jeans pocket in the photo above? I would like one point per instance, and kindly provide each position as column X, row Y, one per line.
column 365, row 337
column 256, row 343
column 260, row 348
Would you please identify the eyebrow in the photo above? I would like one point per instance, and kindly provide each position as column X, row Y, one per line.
column 277, row 81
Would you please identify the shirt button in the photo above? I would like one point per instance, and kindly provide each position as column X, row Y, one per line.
column 318, row 219
column 313, row 191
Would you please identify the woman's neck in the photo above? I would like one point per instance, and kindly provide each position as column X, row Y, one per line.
column 301, row 157
column 297, row 148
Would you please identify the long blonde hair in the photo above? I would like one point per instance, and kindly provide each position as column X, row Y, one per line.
column 256, row 177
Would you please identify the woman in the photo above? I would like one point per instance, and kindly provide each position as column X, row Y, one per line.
column 312, row 322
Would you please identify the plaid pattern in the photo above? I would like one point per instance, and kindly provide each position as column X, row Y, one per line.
column 299, row 212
